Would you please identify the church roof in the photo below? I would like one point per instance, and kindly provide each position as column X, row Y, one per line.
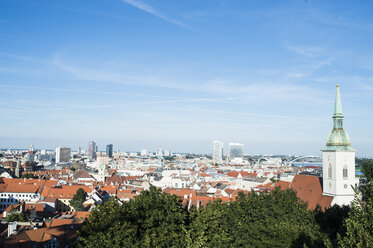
column 309, row 189
column 338, row 139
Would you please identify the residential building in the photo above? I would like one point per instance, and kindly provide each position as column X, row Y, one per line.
column 13, row 191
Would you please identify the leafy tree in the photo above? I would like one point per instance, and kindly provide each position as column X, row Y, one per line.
column 78, row 200
column 359, row 224
column 27, row 175
column 268, row 219
column 15, row 217
column 208, row 227
column 153, row 219
column 331, row 222
column 273, row 219
column 156, row 219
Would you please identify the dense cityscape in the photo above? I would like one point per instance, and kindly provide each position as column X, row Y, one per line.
column 44, row 190
column 186, row 124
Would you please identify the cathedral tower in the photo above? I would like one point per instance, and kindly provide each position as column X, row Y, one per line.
column 339, row 160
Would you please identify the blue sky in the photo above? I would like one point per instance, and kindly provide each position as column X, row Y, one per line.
column 180, row 74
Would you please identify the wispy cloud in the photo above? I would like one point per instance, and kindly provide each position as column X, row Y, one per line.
column 23, row 58
column 167, row 99
column 308, row 51
column 252, row 90
column 6, row 86
column 149, row 9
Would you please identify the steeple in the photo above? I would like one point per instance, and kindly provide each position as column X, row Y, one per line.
column 338, row 103
column 338, row 169
column 338, row 139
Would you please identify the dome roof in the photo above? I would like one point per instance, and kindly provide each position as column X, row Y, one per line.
column 338, row 139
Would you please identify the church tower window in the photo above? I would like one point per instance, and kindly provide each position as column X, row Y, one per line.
column 330, row 171
column 345, row 172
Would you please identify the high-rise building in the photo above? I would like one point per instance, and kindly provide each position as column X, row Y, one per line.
column 109, row 150
column 63, row 154
column 339, row 160
column 92, row 149
column 217, row 151
column 235, row 150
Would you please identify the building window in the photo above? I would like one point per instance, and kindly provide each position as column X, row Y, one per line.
column 345, row 173
column 330, row 171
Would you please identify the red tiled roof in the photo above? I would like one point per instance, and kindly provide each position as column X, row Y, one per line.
column 24, row 185
column 203, row 200
column 181, row 192
column 282, row 184
column 64, row 191
column 309, row 189
column 66, row 234
column 82, row 214
column 61, row 222
column 242, row 173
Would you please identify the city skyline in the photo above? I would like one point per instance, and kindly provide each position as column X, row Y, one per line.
column 151, row 74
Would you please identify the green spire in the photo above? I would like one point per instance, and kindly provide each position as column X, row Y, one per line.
column 338, row 103
column 338, row 139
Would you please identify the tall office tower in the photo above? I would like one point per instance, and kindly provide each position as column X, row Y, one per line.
column 217, row 151
column 339, row 160
column 235, row 150
column 109, row 150
column 79, row 150
column 63, row 154
column 92, row 149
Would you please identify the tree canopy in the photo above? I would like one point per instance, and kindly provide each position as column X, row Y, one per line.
column 78, row 200
column 156, row 219
column 359, row 224
column 15, row 217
